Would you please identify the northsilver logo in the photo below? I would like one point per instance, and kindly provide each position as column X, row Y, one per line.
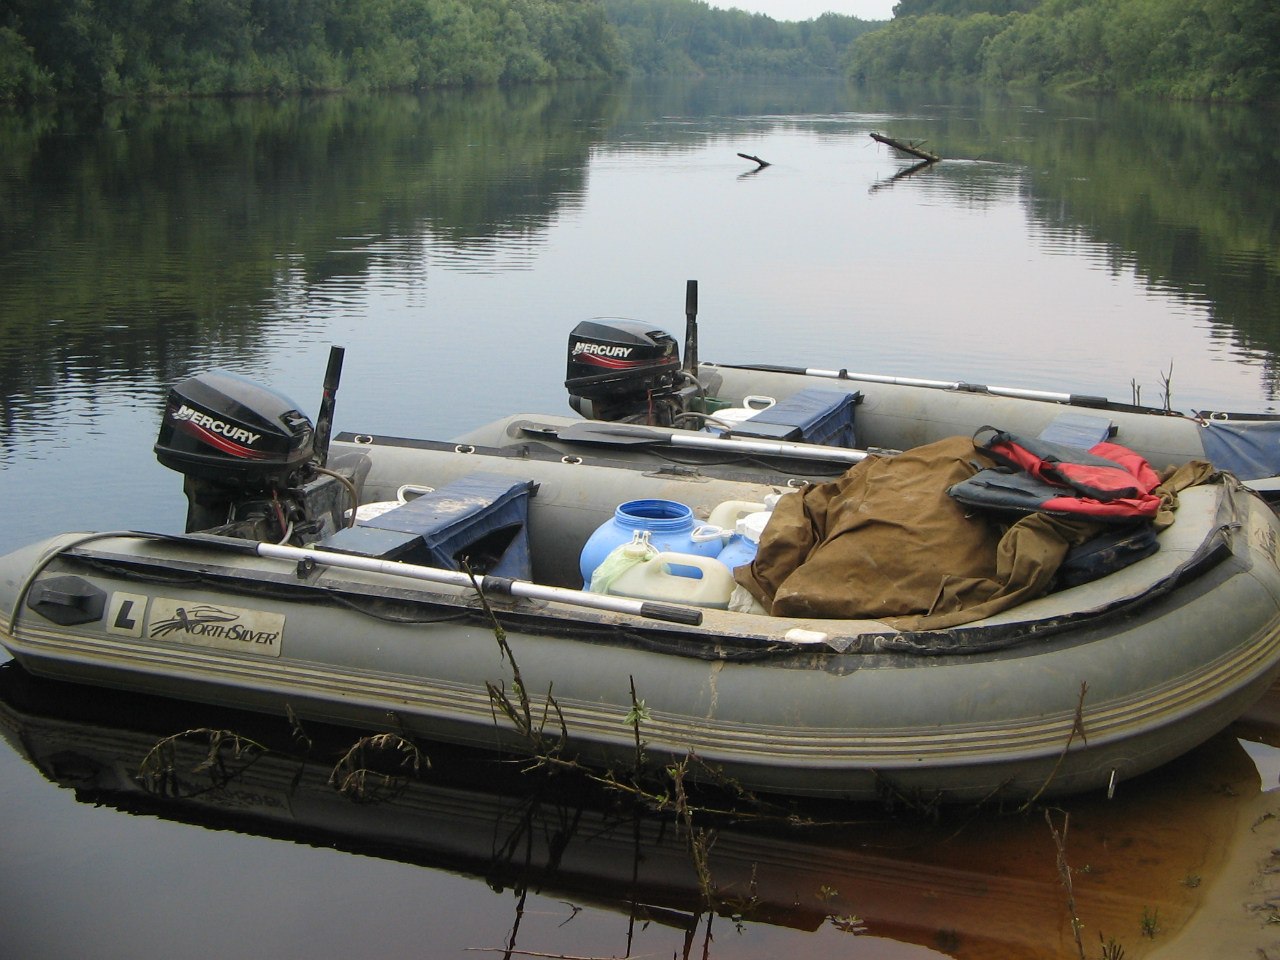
column 219, row 626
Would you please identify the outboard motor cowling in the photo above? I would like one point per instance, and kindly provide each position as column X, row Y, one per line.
column 238, row 444
column 617, row 367
column 222, row 427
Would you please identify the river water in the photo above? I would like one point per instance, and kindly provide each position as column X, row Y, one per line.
column 450, row 241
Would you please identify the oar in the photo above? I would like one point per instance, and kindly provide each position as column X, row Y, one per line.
column 594, row 431
column 457, row 578
column 1078, row 399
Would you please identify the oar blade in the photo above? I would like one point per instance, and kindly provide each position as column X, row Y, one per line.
column 634, row 434
column 597, row 431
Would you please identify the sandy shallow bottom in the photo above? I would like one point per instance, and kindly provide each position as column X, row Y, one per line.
column 1239, row 915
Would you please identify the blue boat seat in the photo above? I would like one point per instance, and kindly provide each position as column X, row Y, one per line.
column 480, row 519
column 809, row 416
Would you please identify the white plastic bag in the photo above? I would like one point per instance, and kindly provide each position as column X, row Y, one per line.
column 621, row 559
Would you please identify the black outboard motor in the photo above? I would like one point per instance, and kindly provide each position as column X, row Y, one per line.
column 246, row 454
column 622, row 369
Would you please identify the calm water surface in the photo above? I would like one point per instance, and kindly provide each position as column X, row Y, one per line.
column 450, row 242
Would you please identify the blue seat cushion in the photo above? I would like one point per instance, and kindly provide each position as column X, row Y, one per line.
column 480, row 518
column 812, row 416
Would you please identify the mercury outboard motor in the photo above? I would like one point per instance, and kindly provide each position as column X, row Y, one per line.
column 249, row 459
column 621, row 369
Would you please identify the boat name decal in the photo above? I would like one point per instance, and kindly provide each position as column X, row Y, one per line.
column 208, row 422
column 601, row 349
column 216, row 625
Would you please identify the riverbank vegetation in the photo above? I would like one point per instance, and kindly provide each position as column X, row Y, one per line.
column 1186, row 49
column 104, row 49
column 120, row 48
column 136, row 48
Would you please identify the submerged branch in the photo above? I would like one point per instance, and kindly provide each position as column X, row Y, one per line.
column 912, row 149
column 1064, row 875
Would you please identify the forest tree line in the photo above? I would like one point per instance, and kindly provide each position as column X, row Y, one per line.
column 1187, row 49
column 1202, row 49
column 113, row 48
column 129, row 48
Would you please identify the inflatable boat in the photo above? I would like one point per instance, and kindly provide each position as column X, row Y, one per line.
column 441, row 586
column 621, row 370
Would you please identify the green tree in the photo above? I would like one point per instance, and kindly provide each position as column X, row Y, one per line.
column 1181, row 48
column 111, row 48
column 21, row 77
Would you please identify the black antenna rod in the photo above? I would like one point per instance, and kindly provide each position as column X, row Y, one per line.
column 324, row 422
column 691, row 327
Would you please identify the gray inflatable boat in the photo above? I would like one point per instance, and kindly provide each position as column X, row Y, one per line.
column 620, row 370
column 451, row 604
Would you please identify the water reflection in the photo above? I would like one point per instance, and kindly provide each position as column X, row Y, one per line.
column 970, row 884
column 149, row 240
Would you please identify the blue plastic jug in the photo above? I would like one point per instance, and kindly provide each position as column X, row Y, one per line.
column 741, row 548
column 671, row 530
column 738, row 552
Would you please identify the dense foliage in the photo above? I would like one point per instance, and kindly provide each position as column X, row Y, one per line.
column 1222, row 49
column 140, row 47
column 1215, row 49
column 115, row 48
column 688, row 37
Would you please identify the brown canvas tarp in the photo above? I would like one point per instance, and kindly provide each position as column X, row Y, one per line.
column 886, row 542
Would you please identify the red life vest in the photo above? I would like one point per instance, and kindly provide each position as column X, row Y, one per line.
column 1107, row 481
